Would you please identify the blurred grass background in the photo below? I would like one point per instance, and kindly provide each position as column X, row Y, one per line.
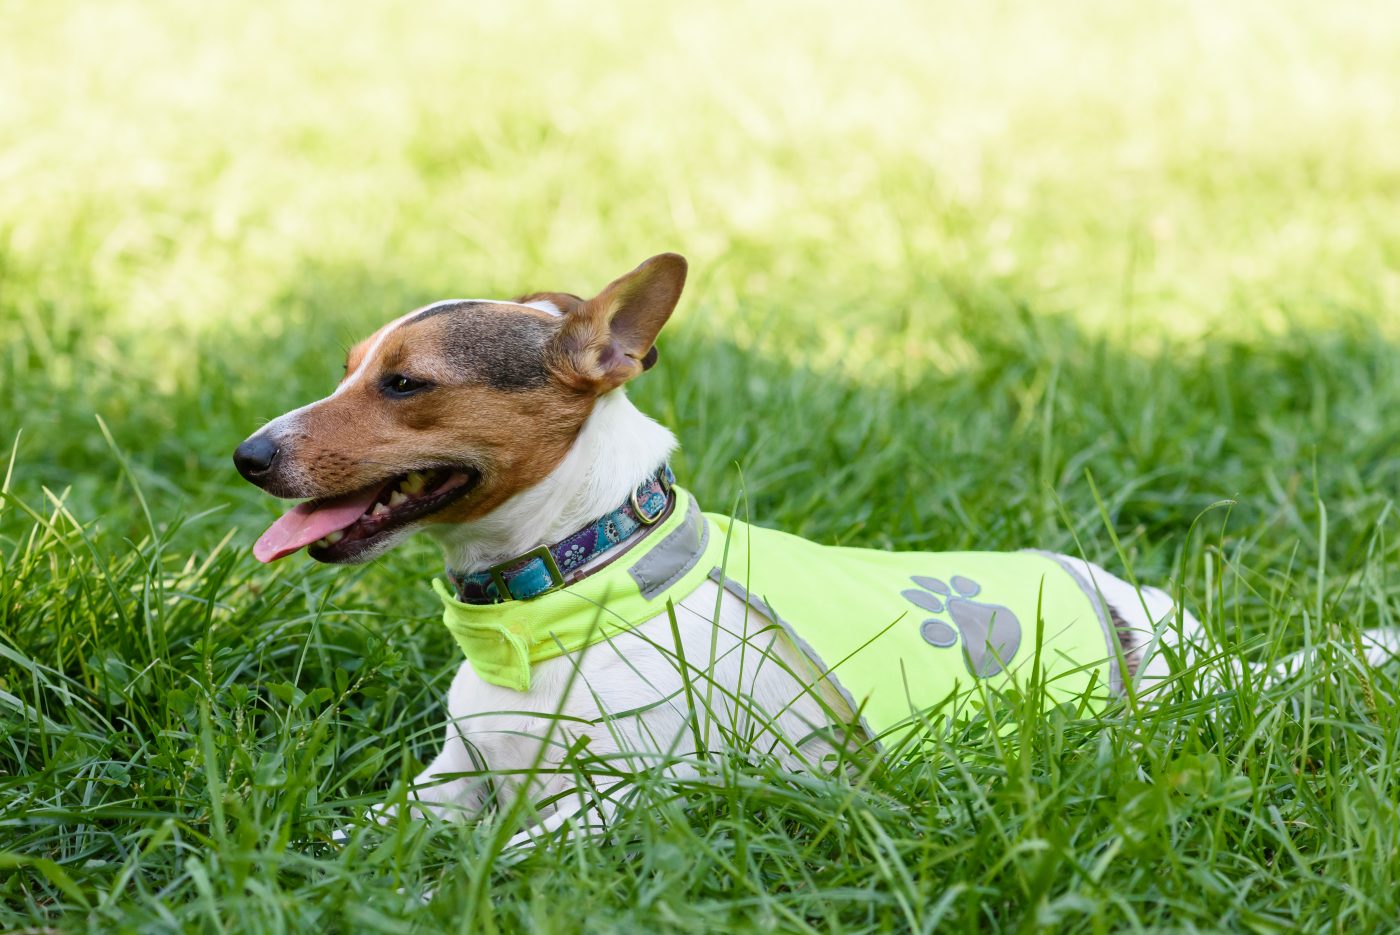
column 201, row 205
column 946, row 259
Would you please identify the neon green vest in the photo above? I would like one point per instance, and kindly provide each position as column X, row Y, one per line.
column 897, row 632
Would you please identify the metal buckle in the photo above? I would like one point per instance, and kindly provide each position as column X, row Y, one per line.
column 642, row 517
column 542, row 552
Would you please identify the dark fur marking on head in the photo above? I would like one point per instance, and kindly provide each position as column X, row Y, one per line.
column 502, row 349
column 445, row 309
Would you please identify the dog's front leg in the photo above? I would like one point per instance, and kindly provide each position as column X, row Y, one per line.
column 495, row 750
column 452, row 786
column 586, row 813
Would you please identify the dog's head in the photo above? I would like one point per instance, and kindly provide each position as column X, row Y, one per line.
column 447, row 412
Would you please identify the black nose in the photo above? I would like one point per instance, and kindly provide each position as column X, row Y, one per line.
column 254, row 457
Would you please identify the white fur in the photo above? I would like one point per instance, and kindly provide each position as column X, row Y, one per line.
column 545, row 305
column 372, row 351
column 615, row 450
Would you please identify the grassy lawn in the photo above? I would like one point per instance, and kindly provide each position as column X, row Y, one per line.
column 1115, row 279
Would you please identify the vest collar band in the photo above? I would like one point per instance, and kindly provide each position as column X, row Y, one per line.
column 503, row 640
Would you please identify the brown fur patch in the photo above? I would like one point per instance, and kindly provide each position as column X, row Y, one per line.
column 492, row 405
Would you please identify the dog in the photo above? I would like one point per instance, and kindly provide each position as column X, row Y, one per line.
column 596, row 604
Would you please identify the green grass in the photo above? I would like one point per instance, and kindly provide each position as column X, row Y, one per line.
column 1119, row 279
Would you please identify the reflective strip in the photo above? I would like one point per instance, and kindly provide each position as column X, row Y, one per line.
column 1110, row 632
column 673, row 556
column 758, row 604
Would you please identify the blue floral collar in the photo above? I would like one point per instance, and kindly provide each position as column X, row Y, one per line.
column 548, row 568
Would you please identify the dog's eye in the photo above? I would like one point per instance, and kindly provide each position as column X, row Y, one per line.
column 396, row 384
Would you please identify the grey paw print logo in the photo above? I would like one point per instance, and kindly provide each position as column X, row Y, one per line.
column 990, row 633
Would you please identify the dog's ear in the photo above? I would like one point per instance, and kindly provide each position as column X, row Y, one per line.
column 611, row 338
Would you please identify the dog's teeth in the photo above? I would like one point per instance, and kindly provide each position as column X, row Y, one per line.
column 321, row 543
column 379, row 510
column 396, row 498
column 413, row 484
column 333, row 538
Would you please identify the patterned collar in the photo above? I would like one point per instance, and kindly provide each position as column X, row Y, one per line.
column 548, row 568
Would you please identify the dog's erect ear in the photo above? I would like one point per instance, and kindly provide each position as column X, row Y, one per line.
column 611, row 338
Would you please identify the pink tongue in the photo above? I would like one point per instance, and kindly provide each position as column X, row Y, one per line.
column 304, row 524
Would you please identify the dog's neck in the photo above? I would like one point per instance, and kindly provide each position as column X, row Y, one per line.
column 617, row 448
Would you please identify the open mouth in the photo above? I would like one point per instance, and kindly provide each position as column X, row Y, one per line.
column 338, row 529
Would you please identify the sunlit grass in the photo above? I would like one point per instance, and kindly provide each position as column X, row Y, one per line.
column 949, row 262
column 1180, row 166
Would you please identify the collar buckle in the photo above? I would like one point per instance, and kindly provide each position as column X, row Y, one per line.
column 642, row 516
column 521, row 561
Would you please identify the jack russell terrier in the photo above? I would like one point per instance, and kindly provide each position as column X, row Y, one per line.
column 596, row 603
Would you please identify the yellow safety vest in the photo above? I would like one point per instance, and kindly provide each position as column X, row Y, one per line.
column 895, row 632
